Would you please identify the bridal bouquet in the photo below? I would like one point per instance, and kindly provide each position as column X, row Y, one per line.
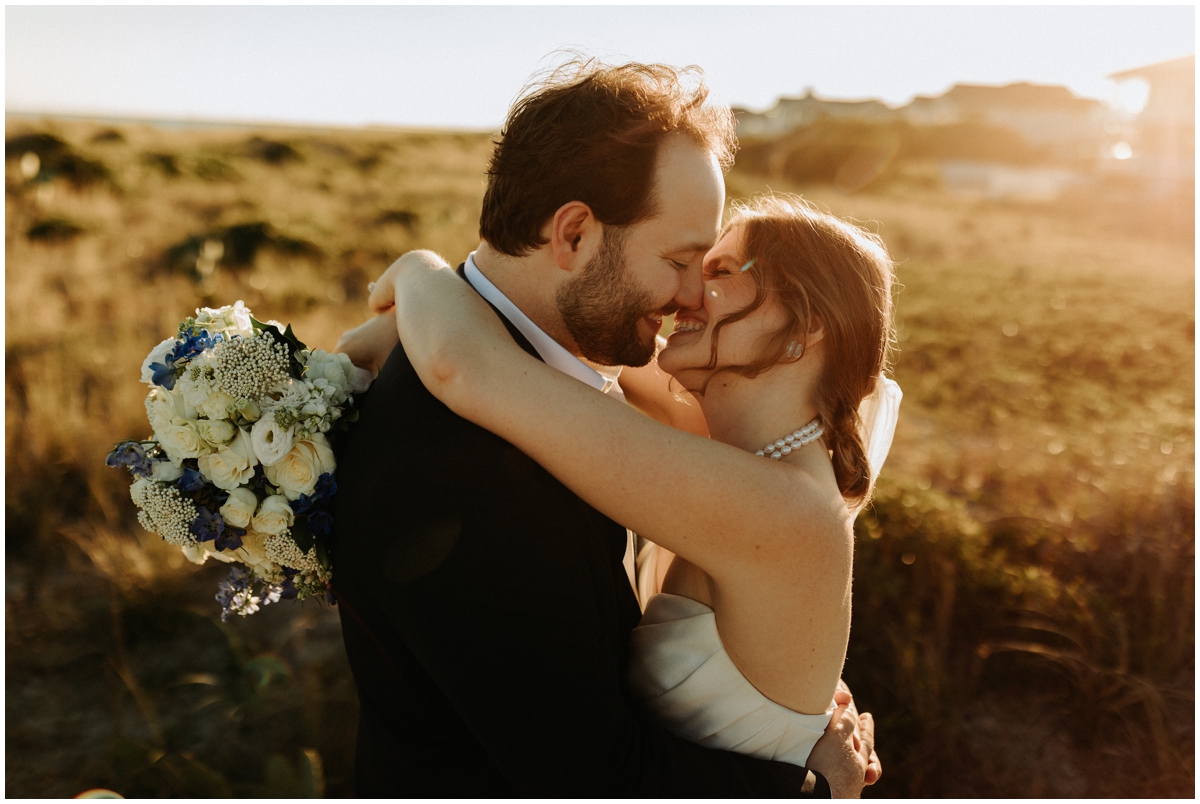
column 240, row 468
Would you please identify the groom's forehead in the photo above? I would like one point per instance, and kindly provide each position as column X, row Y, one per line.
column 689, row 190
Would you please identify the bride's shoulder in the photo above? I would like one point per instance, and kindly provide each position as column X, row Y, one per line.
column 817, row 506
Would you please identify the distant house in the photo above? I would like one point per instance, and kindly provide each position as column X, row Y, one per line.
column 789, row 114
column 1045, row 115
column 1163, row 135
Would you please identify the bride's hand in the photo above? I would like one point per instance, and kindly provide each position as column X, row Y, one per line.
column 843, row 697
column 845, row 753
column 369, row 344
column 383, row 289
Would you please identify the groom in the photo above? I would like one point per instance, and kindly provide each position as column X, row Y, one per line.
column 486, row 609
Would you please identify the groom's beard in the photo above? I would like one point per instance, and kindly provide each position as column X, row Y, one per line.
column 602, row 307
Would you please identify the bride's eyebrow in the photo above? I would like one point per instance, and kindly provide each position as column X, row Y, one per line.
column 722, row 261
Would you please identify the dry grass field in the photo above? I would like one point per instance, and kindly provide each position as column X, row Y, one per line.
column 1024, row 614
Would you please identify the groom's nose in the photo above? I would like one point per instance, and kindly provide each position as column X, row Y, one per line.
column 691, row 286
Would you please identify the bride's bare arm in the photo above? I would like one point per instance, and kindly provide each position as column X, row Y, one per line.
column 719, row 507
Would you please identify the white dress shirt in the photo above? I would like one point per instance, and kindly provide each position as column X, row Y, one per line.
column 603, row 378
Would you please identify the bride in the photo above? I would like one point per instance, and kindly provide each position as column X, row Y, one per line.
column 776, row 383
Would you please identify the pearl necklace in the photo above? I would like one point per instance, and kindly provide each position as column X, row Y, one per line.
column 793, row 441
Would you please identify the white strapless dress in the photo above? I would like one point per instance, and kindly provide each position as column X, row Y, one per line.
column 680, row 672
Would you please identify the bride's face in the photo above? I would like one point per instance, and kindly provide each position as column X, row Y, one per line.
column 728, row 289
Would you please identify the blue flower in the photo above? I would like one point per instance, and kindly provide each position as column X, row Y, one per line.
column 190, row 347
column 319, row 523
column 164, row 375
column 237, row 594
column 190, row 482
column 208, row 525
column 325, row 488
column 230, row 538
column 132, row 455
column 166, row 372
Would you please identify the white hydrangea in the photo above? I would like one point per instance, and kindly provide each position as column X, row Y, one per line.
column 288, row 394
column 335, row 371
column 248, row 368
column 164, row 511
column 284, row 552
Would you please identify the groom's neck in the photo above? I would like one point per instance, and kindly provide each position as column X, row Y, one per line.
column 531, row 283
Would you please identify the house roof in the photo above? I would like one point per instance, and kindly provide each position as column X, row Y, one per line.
column 1172, row 69
column 1021, row 95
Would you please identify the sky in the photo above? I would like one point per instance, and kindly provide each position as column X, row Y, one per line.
column 461, row 66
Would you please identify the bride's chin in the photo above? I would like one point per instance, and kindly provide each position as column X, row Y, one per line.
column 682, row 373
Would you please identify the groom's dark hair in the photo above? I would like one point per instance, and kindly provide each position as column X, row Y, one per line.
column 590, row 132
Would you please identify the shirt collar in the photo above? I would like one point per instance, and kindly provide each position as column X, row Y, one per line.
column 602, row 378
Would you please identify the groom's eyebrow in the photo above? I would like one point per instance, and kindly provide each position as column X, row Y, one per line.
column 695, row 245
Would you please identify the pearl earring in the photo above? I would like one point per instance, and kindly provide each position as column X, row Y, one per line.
column 795, row 349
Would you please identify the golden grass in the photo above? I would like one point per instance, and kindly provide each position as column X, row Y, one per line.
column 1032, row 546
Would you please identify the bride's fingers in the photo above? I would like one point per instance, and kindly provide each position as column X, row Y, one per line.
column 369, row 344
column 383, row 291
column 842, row 697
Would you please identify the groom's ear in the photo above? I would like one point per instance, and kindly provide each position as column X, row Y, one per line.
column 574, row 235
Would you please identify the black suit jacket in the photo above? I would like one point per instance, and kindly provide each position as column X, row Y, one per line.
column 486, row 615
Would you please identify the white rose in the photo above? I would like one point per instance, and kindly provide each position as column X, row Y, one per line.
column 195, row 392
column 274, row 516
column 215, row 432
column 157, row 355
column 199, row 553
column 232, row 319
column 180, row 440
column 166, row 472
column 216, row 405
column 195, row 553
column 250, row 411
column 239, row 320
column 334, row 368
column 300, row 469
column 205, row 397
column 238, row 510
column 163, row 407
column 290, row 393
column 272, row 443
column 135, row 490
column 232, row 464
column 253, row 554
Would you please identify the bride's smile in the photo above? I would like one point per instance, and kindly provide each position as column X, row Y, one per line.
column 729, row 290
